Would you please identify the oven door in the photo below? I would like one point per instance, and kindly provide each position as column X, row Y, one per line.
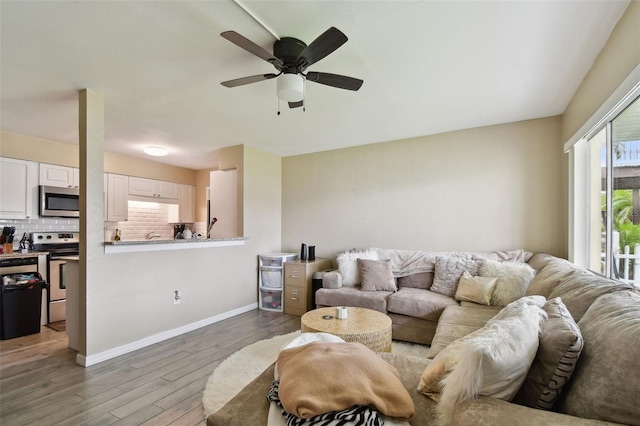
column 58, row 290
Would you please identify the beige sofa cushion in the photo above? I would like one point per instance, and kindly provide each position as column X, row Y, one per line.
column 353, row 296
column 560, row 346
column 549, row 276
column 418, row 303
column 605, row 384
column 458, row 321
column 421, row 280
column 580, row 288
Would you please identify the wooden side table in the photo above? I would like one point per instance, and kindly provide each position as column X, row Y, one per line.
column 298, row 287
column 366, row 326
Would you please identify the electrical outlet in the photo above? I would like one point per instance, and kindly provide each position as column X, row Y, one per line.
column 177, row 297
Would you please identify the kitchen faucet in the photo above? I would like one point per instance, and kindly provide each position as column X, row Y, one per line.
column 153, row 234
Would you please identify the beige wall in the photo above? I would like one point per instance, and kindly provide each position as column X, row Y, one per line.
column 46, row 151
column 132, row 300
column 614, row 63
column 490, row 188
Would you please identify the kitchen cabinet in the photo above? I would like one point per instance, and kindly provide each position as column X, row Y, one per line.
column 152, row 188
column 184, row 211
column 117, row 204
column 298, row 285
column 62, row 176
column 19, row 188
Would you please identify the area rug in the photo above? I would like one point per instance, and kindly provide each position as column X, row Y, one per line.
column 241, row 367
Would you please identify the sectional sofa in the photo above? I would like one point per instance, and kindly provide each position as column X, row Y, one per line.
column 584, row 371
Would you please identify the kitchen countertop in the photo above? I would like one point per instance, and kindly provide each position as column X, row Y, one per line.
column 158, row 245
column 17, row 254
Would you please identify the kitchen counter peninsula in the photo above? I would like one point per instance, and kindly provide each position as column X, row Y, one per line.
column 161, row 245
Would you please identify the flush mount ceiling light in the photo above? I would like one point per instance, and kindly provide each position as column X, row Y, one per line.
column 156, row 151
column 290, row 87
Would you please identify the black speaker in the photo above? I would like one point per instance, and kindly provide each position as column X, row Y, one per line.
column 312, row 253
column 303, row 252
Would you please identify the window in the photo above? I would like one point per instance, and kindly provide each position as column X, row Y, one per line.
column 613, row 195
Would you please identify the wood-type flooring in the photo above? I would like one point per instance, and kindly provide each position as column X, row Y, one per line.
column 40, row 383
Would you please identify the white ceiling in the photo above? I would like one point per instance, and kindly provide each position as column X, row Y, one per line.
column 428, row 67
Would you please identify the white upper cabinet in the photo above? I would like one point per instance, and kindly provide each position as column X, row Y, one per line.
column 117, row 204
column 184, row 211
column 152, row 188
column 19, row 188
column 61, row 176
column 186, row 203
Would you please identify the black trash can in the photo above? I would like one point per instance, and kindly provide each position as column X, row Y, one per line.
column 20, row 304
column 316, row 283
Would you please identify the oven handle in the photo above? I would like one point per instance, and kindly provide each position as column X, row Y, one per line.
column 63, row 276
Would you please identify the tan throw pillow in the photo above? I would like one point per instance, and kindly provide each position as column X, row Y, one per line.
column 513, row 280
column 492, row 361
column 447, row 273
column 560, row 346
column 475, row 289
column 348, row 265
column 322, row 377
column 376, row 275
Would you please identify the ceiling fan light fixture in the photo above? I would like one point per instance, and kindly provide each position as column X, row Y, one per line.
column 290, row 87
column 156, row 151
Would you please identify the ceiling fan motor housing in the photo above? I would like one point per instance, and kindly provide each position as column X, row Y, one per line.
column 288, row 49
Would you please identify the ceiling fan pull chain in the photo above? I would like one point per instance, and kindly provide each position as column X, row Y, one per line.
column 304, row 96
column 278, row 105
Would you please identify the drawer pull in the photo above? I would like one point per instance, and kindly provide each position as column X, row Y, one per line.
column 293, row 276
column 294, row 298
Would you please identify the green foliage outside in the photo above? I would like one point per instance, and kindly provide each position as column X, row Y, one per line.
column 622, row 218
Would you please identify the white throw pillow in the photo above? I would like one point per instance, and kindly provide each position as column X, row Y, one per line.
column 491, row 361
column 513, row 280
column 348, row 265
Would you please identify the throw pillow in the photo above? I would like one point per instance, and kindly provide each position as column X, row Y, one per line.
column 560, row 346
column 348, row 265
column 421, row 280
column 513, row 280
column 322, row 377
column 491, row 361
column 475, row 289
column 376, row 275
column 447, row 273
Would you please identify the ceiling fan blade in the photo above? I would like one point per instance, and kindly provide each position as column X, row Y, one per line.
column 248, row 80
column 249, row 46
column 296, row 104
column 325, row 44
column 335, row 80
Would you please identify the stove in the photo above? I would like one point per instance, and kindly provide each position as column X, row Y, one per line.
column 59, row 245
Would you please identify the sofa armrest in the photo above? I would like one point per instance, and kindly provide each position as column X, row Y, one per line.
column 332, row 279
column 491, row 411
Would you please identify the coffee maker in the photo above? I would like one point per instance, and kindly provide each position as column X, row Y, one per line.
column 178, row 230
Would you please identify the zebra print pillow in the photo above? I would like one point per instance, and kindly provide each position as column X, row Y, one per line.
column 560, row 346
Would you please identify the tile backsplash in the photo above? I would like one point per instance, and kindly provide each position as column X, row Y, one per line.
column 144, row 217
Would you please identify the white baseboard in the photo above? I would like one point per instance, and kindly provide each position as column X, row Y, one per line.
column 90, row 360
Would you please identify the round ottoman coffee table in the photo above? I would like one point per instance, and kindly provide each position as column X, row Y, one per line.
column 366, row 326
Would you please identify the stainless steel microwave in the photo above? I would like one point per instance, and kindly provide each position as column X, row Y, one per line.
column 59, row 202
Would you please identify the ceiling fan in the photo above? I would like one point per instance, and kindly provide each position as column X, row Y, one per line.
column 291, row 57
